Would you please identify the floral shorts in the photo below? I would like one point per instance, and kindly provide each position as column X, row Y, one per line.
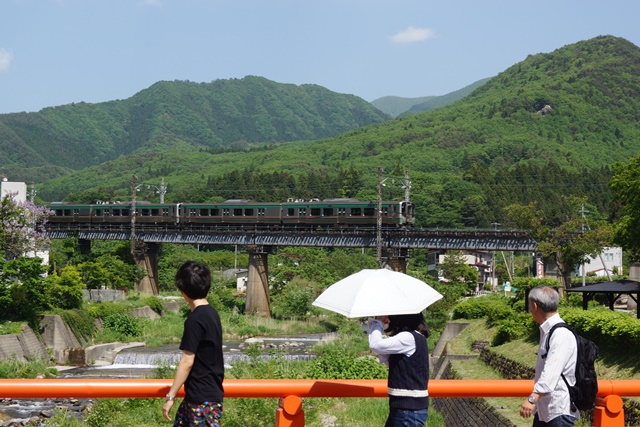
column 198, row 414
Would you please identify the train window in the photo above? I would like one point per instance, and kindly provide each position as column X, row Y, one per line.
column 125, row 212
column 302, row 212
column 291, row 212
column 115, row 212
column 260, row 211
column 76, row 211
column 356, row 211
column 215, row 212
column 315, row 211
column 369, row 212
column 204, row 212
column 225, row 212
column 342, row 211
column 385, row 210
column 165, row 212
column 237, row 212
column 327, row 212
column 67, row 212
column 145, row 212
column 193, row 212
column 155, row 212
column 248, row 212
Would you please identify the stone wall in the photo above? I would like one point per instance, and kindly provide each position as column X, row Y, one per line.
column 101, row 295
column 467, row 411
column 24, row 346
column 57, row 336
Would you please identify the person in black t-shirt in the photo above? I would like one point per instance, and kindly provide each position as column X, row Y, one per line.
column 201, row 367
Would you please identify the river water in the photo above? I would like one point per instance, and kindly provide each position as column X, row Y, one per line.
column 142, row 362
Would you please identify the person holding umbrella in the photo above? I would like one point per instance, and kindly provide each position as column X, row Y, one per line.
column 406, row 353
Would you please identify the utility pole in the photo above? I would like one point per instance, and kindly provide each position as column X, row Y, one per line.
column 134, row 188
column 379, row 219
column 162, row 190
column 32, row 193
column 584, row 221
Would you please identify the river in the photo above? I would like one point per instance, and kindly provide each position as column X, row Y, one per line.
column 141, row 362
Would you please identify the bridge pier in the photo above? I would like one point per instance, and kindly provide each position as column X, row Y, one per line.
column 395, row 259
column 85, row 246
column 146, row 257
column 258, row 281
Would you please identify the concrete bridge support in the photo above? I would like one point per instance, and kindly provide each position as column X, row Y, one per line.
column 258, row 281
column 146, row 257
column 85, row 246
column 395, row 259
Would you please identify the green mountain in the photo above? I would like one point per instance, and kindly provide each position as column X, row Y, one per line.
column 397, row 106
column 174, row 115
column 548, row 126
column 440, row 101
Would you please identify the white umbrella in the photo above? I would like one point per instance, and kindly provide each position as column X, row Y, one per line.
column 377, row 293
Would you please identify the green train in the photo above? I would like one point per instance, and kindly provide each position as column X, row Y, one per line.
column 314, row 213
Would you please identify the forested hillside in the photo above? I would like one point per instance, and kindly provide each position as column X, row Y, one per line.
column 179, row 115
column 546, row 127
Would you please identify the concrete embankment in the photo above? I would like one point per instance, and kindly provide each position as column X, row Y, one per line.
column 57, row 342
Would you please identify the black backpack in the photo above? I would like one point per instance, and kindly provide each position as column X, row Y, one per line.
column 583, row 394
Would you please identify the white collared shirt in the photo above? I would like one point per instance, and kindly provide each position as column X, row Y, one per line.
column 561, row 358
column 401, row 343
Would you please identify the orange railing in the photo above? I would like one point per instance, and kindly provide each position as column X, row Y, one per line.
column 608, row 413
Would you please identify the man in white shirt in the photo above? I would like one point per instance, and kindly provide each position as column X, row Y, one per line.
column 550, row 401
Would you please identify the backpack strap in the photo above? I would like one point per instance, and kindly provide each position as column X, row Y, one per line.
column 553, row 328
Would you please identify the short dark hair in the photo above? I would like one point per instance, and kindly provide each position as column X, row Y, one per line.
column 194, row 279
column 408, row 322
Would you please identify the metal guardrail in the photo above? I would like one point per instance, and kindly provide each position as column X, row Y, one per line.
column 609, row 411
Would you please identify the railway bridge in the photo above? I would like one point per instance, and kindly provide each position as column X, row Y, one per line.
column 394, row 244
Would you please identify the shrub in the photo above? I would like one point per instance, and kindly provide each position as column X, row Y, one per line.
column 293, row 301
column 154, row 304
column 124, row 326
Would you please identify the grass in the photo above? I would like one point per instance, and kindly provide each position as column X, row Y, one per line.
column 476, row 331
column 9, row 328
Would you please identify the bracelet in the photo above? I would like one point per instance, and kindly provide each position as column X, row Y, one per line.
column 170, row 398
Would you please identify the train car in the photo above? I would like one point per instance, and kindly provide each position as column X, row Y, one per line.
column 146, row 213
column 231, row 212
column 65, row 213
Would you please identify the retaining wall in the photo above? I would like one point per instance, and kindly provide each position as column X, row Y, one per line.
column 24, row 346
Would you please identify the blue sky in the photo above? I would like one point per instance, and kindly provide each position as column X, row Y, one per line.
column 55, row 52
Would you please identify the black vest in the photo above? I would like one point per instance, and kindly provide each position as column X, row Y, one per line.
column 409, row 377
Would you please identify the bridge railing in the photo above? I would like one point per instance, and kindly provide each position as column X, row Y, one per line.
column 608, row 412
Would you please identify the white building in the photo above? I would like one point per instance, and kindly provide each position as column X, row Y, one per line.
column 609, row 260
column 17, row 188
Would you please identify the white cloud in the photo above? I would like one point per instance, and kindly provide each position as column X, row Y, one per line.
column 412, row 35
column 6, row 58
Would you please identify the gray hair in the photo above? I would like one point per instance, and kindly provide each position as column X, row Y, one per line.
column 545, row 297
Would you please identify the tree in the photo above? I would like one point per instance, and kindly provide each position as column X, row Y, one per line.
column 455, row 268
column 566, row 245
column 625, row 185
column 23, row 291
column 21, row 227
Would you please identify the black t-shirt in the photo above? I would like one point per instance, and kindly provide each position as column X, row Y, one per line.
column 203, row 336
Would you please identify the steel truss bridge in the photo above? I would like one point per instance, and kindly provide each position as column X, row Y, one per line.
column 392, row 238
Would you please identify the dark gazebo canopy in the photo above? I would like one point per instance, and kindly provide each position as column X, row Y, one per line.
column 613, row 290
